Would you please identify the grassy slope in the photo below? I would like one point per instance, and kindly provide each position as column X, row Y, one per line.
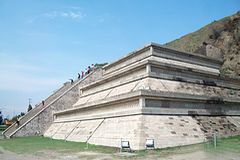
column 192, row 41
column 32, row 145
column 224, row 35
column 231, row 144
column 3, row 127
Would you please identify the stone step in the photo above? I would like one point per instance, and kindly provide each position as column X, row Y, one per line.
column 35, row 110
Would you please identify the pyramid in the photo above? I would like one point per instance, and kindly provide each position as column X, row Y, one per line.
column 169, row 96
column 154, row 94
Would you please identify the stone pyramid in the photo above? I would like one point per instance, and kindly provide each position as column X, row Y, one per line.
column 175, row 98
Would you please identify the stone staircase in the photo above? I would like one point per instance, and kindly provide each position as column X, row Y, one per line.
column 40, row 107
column 7, row 133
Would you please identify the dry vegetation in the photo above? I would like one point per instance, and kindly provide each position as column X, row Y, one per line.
column 219, row 39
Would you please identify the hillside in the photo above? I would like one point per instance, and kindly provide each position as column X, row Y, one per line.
column 219, row 39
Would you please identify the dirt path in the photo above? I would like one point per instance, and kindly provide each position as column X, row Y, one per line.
column 49, row 155
column 201, row 155
column 6, row 155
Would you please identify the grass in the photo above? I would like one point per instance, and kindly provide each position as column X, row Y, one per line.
column 173, row 150
column 3, row 127
column 230, row 144
column 34, row 145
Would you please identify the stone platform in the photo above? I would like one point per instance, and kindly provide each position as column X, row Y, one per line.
column 173, row 97
column 167, row 131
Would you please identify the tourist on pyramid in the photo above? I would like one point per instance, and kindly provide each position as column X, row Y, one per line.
column 88, row 69
column 71, row 80
column 82, row 74
column 17, row 122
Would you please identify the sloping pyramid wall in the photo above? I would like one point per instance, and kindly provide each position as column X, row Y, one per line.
column 167, row 131
column 37, row 122
column 157, row 93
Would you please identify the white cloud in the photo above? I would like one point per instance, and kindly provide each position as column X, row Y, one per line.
column 73, row 13
column 76, row 15
column 50, row 14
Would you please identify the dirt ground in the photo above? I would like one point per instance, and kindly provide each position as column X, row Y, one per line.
column 43, row 155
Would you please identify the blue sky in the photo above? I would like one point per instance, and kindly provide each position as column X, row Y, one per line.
column 43, row 43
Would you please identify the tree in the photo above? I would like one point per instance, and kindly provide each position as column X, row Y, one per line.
column 1, row 119
column 14, row 118
column 29, row 107
column 100, row 64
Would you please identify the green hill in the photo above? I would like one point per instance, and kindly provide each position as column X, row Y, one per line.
column 219, row 39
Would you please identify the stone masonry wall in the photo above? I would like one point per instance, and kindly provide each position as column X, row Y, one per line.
column 166, row 130
column 39, row 124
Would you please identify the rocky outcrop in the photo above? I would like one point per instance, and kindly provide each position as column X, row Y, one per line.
column 220, row 39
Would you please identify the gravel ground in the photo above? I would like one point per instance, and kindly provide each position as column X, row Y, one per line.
column 49, row 155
